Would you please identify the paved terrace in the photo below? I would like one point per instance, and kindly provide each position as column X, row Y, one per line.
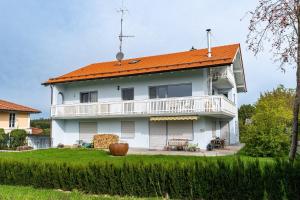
column 228, row 150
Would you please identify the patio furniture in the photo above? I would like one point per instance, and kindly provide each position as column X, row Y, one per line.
column 177, row 144
column 218, row 143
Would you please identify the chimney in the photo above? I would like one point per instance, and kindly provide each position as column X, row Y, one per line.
column 208, row 42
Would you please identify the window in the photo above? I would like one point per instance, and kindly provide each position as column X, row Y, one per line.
column 88, row 97
column 12, row 120
column 183, row 90
column 127, row 94
column 127, row 129
column 60, row 98
column 167, row 91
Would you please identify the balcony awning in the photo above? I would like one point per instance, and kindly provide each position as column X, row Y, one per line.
column 174, row 118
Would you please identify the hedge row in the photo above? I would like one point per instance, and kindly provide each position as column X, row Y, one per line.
column 199, row 180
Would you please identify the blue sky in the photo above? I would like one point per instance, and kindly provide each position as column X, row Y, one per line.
column 42, row 39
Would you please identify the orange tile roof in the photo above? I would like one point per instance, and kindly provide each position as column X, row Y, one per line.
column 221, row 55
column 9, row 106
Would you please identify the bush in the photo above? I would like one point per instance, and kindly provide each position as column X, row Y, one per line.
column 4, row 138
column 17, row 138
column 266, row 143
column 204, row 179
column 270, row 130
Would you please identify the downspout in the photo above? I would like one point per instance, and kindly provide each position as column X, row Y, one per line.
column 50, row 142
column 51, row 86
column 209, row 82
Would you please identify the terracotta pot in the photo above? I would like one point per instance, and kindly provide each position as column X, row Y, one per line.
column 118, row 149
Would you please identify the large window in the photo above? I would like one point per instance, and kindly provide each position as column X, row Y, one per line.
column 127, row 94
column 167, row 91
column 88, row 97
column 12, row 120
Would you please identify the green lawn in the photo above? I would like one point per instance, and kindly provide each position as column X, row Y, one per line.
column 84, row 156
column 29, row 193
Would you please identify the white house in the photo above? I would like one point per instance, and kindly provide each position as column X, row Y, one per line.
column 149, row 100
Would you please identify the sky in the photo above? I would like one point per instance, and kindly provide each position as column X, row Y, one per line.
column 43, row 39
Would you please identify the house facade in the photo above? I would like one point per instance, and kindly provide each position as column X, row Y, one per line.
column 15, row 116
column 149, row 100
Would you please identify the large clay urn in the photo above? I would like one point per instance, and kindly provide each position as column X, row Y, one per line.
column 118, row 149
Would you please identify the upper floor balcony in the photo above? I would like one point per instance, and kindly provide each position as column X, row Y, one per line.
column 215, row 106
column 222, row 77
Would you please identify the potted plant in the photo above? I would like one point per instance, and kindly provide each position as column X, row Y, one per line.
column 118, row 149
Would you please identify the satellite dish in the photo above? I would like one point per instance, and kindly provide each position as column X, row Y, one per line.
column 120, row 56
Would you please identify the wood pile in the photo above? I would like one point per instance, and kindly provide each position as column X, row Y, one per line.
column 102, row 141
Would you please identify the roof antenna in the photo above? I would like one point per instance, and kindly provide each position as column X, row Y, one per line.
column 120, row 54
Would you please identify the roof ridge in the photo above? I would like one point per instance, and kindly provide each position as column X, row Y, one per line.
column 164, row 54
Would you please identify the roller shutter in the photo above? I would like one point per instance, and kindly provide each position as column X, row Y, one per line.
column 158, row 134
column 180, row 130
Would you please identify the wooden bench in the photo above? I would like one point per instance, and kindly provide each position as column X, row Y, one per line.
column 177, row 144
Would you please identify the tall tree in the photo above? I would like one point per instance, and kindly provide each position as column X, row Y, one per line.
column 276, row 22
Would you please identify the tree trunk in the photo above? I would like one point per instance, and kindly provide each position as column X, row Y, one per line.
column 294, row 143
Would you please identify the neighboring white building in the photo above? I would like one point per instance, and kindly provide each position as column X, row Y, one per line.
column 148, row 100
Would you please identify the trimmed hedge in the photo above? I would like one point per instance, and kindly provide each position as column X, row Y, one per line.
column 200, row 180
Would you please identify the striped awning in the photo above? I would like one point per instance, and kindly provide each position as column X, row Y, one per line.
column 174, row 118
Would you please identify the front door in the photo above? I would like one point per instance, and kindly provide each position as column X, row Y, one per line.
column 158, row 134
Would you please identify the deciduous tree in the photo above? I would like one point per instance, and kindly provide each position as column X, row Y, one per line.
column 276, row 22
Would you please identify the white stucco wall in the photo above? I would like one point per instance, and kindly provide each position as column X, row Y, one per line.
column 57, row 132
column 107, row 89
column 67, row 131
column 70, row 134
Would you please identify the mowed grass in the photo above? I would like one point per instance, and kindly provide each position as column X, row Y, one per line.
column 85, row 156
column 29, row 193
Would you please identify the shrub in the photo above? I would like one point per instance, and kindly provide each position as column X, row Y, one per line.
column 204, row 179
column 4, row 138
column 266, row 143
column 17, row 138
column 270, row 130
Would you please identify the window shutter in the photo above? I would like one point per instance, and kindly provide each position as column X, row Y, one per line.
column 127, row 129
column 180, row 129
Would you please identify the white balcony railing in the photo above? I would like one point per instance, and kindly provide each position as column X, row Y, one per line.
column 150, row 107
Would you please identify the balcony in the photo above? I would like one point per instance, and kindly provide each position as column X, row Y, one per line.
column 218, row 106
column 222, row 78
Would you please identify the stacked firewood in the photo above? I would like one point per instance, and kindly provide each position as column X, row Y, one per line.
column 102, row 141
